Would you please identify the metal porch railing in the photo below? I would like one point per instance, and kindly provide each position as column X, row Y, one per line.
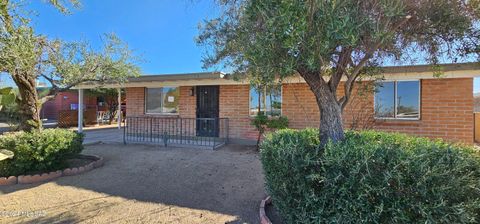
column 204, row 132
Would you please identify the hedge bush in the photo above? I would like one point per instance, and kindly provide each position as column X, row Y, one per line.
column 371, row 177
column 36, row 151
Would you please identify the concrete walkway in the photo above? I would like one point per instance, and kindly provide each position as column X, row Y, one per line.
column 105, row 135
column 146, row 184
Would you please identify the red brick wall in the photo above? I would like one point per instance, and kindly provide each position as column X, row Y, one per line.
column 187, row 103
column 234, row 105
column 135, row 98
column 446, row 110
column 136, row 102
column 62, row 101
column 299, row 106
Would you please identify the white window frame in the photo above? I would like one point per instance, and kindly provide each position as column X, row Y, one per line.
column 250, row 101
column 395, row 104
column 145, row 100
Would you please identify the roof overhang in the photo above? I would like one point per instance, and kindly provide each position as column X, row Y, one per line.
column 459, row 70
column 186, row 79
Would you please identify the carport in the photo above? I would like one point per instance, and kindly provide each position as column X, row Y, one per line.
column 81, row 109
column 187, row 112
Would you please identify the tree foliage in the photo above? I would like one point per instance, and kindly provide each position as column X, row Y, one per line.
column 9, row 107
column 263, row 123
column 65, row 5
column 69, row 64
column 27, row 57
column 325, row 41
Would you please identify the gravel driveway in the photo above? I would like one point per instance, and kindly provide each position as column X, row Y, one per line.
column 146, row 184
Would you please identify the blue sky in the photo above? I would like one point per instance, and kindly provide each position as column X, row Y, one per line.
column 161, row 31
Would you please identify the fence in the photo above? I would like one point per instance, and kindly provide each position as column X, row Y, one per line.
column 205, row 132
column 69, row 118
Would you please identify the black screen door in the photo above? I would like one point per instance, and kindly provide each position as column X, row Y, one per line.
column 207, row 111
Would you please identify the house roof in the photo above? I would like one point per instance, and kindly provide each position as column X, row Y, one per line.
column 176, row 77
column 182, row 79
column 457, row 70
column 430, row 68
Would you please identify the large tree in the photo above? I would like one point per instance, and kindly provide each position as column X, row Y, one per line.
column 333, row 42
column 28, row 57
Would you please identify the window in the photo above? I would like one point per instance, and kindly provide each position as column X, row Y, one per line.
column 267, row 100
column 161, row 100
column 398, row 99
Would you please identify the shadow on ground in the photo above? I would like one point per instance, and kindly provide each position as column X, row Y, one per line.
column 148, row 184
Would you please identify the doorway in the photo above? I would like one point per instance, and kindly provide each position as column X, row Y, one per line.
column 207, row 111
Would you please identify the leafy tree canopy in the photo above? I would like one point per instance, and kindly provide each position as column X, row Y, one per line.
column 327, row 40
column 69, row 64
column 27, row 56
column 280, row 37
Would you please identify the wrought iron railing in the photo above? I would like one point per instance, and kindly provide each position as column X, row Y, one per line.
column 205, row 132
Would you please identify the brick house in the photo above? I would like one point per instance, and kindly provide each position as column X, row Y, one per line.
column 409, row 99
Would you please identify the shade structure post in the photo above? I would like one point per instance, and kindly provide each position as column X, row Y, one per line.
column 119, row 112
column 80, row 110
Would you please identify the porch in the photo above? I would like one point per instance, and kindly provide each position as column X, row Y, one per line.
column 85, row 114
column 170, row 122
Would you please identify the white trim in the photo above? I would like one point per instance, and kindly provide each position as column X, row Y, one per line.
column 403, row 76
column 155, row 84
column 397, row 73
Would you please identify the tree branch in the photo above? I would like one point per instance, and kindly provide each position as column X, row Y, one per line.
column 56, row 89
column 348, row 86
column 340, row 69
column 313, row 79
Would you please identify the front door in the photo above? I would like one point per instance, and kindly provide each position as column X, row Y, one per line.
column 207, row 111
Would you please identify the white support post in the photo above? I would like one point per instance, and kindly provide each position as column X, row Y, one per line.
column 80, row 110
column 119, row 112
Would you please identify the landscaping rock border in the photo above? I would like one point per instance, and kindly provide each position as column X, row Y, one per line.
column 263, row 215
column 98, row 161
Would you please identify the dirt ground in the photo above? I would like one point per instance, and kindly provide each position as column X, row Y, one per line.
column 146, row 184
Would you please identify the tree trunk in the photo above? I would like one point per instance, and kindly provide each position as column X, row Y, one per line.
column 28, row 104
column 259, row 137
column 331, row 124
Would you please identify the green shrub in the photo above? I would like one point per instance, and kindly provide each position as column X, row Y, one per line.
column 35, row 151
column 263, row 123
column 371, row 177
